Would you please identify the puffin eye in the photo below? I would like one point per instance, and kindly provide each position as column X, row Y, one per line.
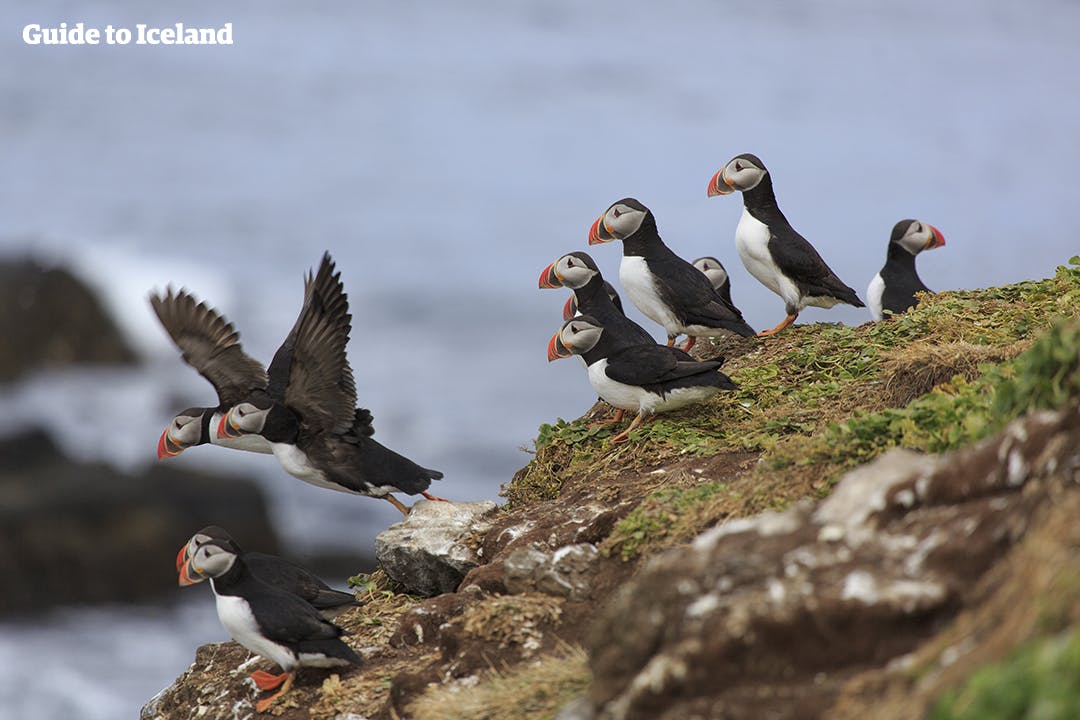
column 616, row 212
column 178, row 425
column 738, row 166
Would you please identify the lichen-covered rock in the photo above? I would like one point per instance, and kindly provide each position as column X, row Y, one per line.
column 564, row 572
column 427, row 551
column 812, row 596
column 50, row 319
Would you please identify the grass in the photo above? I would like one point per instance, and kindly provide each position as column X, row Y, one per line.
column 663, row 518
column 1040, row 681
column 533, row 691
column 819, row 399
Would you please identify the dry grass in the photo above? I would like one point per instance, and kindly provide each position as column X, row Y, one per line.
column 913, row 370
column 533, row 691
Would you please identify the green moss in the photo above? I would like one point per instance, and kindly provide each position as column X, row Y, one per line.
column 1041, row 680
column 818, row 399
column 665, row 515
column 1046, row 376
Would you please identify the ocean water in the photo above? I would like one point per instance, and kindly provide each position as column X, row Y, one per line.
column 445, row 154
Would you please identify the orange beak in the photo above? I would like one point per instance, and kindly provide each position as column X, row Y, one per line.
column 226, row 429
column 166, row 448
column 719, row 185
column 594, row 233
column 188, row 575
column 569, row 310
column 549, row 278
column 556, row 349
column 936, row 238
column 181, row 557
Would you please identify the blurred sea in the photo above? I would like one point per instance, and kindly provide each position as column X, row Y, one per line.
column 445, row 154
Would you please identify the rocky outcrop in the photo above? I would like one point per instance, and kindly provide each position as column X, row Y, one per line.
column 75, row 532
column 49, row 319
column 427, row 552
column 771, row 616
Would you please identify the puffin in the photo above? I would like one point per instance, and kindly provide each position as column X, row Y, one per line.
column 717, row 274
column 269, row 621
column 273, row 570
column 209, row 344
column 307, row 412
column 571, row 308
column 645, row 378
column 771, row 250
column 662, row 285
column 894, row 287
column 579, row 272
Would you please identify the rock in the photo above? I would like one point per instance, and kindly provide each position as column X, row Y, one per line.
column 50, row 319
column 769, row 616
column 75, row 532
column 426, row 552
column 578, row 709
column 565, row 572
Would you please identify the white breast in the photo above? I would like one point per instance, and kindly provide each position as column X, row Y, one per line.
column 752, row 243
column 620, row 395
column 637, row 283
column 632, row 397
column 874, row 295
column 235, row 615
column 295, row 462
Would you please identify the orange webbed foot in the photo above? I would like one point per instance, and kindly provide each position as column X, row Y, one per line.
column 263, row 704
column 267, row 681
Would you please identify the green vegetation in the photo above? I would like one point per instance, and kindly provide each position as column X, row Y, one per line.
column 665, row 517
column 1041, row 680
column 819, row 399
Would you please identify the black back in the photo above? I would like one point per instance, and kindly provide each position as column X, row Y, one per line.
column 791, row 252
column 681, row 286
column 282, row 616
column 901, row 280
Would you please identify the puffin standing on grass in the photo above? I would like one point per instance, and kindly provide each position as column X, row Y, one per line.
column 772, row 251
column 209, row 343
column 644, row 378
column 272, row 570
column 308, row 412
column 662, row 285
column 270, row 622
column 894, row 288
column 579, row 272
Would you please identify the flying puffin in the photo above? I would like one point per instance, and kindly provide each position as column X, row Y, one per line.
column 308, row 414
column 662, row 285
column 894, row 288
column 571, row 308
column 272, row 570
column 772, row 251
column 717, row 274
column 644, row 378
column 209, row 344
column 270, row 622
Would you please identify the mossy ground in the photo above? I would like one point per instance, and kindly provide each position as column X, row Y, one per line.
column 819, row 399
